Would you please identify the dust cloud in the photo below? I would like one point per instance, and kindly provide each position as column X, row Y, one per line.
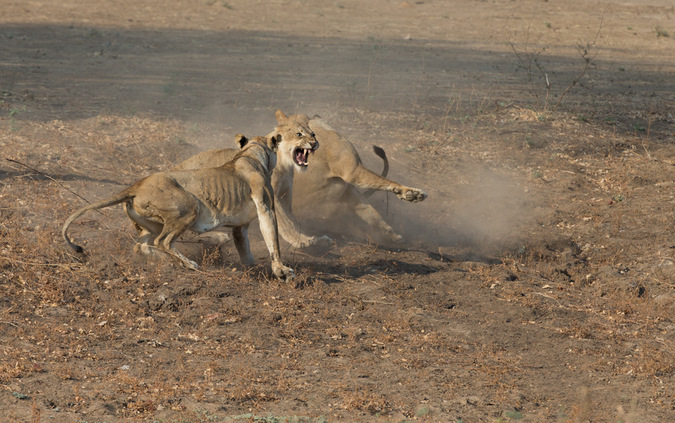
column 487, row 211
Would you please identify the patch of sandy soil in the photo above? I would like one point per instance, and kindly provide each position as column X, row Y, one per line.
column 536, row 283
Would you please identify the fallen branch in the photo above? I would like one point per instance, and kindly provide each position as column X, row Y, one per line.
column 48, row 177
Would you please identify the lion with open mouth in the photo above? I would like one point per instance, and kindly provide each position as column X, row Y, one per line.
column 232, row 194
column 336, row 175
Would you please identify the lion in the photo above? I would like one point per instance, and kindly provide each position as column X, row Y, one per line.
column 337, row 175
column 166, row 204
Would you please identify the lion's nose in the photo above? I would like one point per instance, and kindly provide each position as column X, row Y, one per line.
column 314, row 144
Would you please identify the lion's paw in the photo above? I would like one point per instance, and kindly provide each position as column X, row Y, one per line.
column 395, row 238
column 313, row 240
column 322, row 240
column 144, row 249
column 214, row 237
column 283, row 272
column 413, row 195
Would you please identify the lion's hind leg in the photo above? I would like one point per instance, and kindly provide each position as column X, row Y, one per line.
column 172, row 230
column 147, row 230
column 367, row 180
column 151, row 244
column 162, row 218
column 240, row 235
column 368, row 214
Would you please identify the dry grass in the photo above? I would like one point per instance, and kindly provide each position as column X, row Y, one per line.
column 369, row 331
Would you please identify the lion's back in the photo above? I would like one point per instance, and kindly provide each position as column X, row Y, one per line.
column 208, row 159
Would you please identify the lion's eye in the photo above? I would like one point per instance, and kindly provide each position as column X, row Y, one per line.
column 299, row 134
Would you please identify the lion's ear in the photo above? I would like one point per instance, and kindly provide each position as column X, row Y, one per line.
column 273, row 141
column 281, row 116
column 241, row 140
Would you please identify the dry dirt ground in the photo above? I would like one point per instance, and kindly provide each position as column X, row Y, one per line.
column 537, row 282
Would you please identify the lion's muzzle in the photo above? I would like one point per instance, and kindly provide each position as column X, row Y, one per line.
column 301, row 155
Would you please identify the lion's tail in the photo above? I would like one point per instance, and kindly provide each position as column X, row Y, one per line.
column 120, row 197
column 381, row 154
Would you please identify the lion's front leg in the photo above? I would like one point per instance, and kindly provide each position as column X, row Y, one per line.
column 268, row 227
column 282, row 272
column 289, row 229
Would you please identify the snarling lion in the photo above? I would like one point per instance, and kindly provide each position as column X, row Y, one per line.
column 336, row 175
column 166, row 204
column 295, row 158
